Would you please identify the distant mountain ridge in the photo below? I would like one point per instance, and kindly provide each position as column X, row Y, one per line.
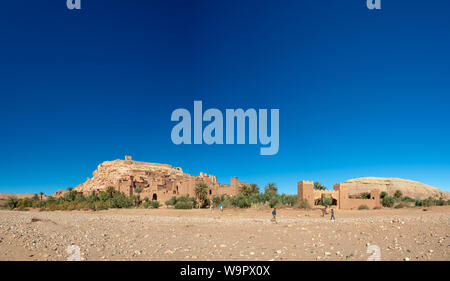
column 4, row 196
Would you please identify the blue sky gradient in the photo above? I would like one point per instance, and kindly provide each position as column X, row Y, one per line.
column 360, row 92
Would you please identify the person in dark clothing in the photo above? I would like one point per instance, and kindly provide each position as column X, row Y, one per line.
column 332, row 215
column 274, row 214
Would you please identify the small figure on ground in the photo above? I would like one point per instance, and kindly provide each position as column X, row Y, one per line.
column 332, row 215
column 274, row 214
column 324, row 211
column 221, row 208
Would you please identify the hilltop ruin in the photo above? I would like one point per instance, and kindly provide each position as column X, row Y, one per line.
column 157, row 181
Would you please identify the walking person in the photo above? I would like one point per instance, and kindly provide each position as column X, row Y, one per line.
column 332, row 215
column 221, row 208
column 274, row 214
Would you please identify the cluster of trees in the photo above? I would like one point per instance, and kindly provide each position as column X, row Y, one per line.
column 73, row 200
column 400, row 201
column 251, row 195
column 248, row 195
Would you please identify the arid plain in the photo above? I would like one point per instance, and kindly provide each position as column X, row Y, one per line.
column 408, row 234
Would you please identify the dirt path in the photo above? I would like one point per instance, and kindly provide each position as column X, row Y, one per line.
column 167, row 234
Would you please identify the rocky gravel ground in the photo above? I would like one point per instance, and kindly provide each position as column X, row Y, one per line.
column 166, row 234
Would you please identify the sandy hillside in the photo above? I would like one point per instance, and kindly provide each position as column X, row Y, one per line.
column 409, row 188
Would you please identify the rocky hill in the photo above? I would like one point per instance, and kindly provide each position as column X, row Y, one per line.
column 409, row 188
column 155, row 181
column 112, row 173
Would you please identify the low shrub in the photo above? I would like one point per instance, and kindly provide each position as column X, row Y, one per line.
column 303, row 204
column 326, row 201
column 183, row 205
column 241, row 201
column 12, row 202
column 101, row 206
column 172, row 201
column 121, row 201
column 363, row 207
column 273, row 201
column 388, row 201
column 400, row 205
column 398, row 194
column 407, row 199
column 428, row 202
column 217, row 200
column 441, row 202
column 288, row 200
column 365, row 195
column 152, row 204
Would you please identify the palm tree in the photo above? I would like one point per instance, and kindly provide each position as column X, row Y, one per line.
column 41, row 194
column 254, row 188
column 138, row 191
column 201, row 192
column 271, row 186
column 71, row 193
column 244, row 190
column 319, row 186
column 110, row 190
column 249, row 190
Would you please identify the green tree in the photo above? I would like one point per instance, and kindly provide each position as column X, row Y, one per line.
column 388, row 201
column 248, row 190
column 271, row 187
column 288, row 200
column 110, row 190
column 398, row 194
column 172, row 201
column 254, row 189
column 240, row 201
column 365, row 195
column 41, row 195
column 383, row 194
column 201, row 193
column 327, row 201
column 70, row 196
column 12, row 202
column 35, row 198
column 138, row 191
column 217, row 200
column 319, row 186
column 273, row 201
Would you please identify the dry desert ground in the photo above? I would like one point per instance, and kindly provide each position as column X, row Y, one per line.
column 168, row 234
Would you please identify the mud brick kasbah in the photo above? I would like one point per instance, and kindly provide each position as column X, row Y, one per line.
column 339, row 195
column 157, row 181
column 161, row 182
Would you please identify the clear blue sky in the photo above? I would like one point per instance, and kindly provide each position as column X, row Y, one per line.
column 360, row 92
